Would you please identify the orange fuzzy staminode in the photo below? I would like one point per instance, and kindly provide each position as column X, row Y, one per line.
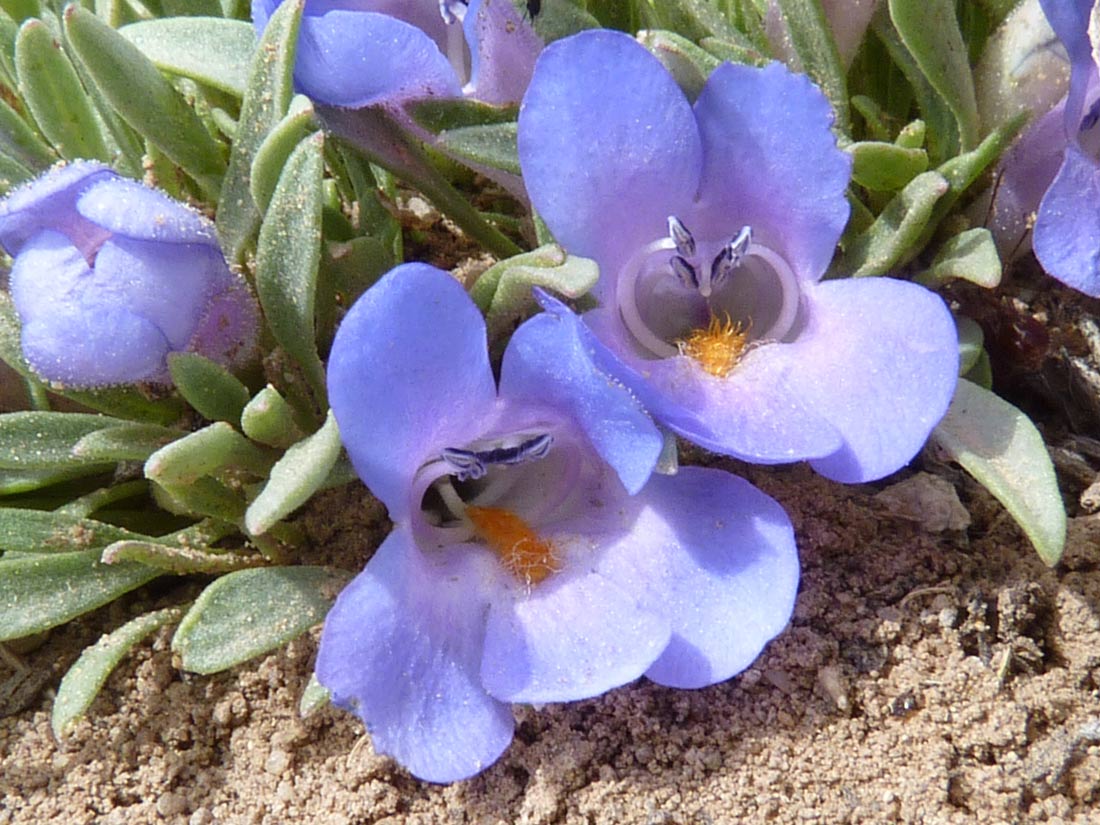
column 525, row 555
column 718, row 347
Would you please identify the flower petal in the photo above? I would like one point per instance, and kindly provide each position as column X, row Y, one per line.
column 49, row 202
column 229, row 327
column 402, row 647
column 549, row 360
column 608, row 146
column 125, row 207
column 363, row 58
column 168, row 284
column 1067, row 231
column 408, row 374
column 576, row 635
column 1023, row 177
column 72, row 335
column 1070, row 21
column 771, row 162
column 755, row 413
column 97, row 345
column 879, row 359
column 717, row 557
column 503, row 47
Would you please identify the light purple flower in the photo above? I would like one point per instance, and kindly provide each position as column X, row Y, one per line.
column 359, row 53
column 532, row 559
column 111, row 276
column 713, row 225
column 1054, row 167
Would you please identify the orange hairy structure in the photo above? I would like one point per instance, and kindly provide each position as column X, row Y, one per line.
column 718, row 348
column 523, row 553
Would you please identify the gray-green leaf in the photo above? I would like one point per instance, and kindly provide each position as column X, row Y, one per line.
column 250, row 612
column 1000, row 447
column 895, row 235
column 40, row 592
column 288, row 256
column 210, row 50
column 207, row 386
column 266, row 99
column 55, row 96
column 295, row 477
column 86, row 677
column 145, row 99
column 45, row 440
column 930, row 31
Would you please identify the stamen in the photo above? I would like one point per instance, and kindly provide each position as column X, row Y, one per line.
column 684, row 240
column 1092, row 116
column 718, row 348
column 731, row 256
column 452, row 11
column 684, row 272
column 522, row 551
column 473, row 464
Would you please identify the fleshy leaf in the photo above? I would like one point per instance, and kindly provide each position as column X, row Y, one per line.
column 687, row 63
column 493, row 146
column 205, row 452
column 504, row 291
column 269, row 419
column 13, row 482
column 84, row 679
column 813, row 41
column 281, row 141
column 440, row 115
column 19, row 143
column 314, row 697
column 895, row 235
column 55, row 96
column 288, row 256
column 208, row 386
column 885, row 167
column 250, row 612
column 295, row 477
column 144, row 98
column 179, row 560
column 45, row 440
column 1002, row 449
column 40, row 592
column 971, row 341
column 930, row 31
column 969, row 256
column 267, row 96
column 130, row 442
column 42, row 531
column 210, row 50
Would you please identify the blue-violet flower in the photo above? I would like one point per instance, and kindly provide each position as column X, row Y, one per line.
column 1054, row 168
column 713, row 225
column 359, row 53
column 532, row 558
column 111, row 276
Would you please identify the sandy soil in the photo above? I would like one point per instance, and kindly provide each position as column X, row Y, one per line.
column 929, row 676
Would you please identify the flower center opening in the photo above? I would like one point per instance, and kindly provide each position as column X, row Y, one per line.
column 705, row 299
column 496, row 491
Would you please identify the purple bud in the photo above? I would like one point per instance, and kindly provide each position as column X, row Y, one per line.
column 110, row 276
